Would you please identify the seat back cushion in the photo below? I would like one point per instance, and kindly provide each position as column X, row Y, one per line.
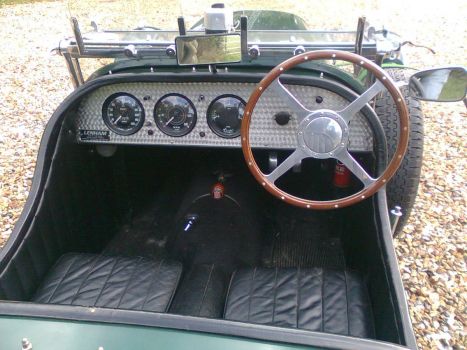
column 110, row 282
column 313, row 299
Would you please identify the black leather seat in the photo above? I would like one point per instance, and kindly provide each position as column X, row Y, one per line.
column 312, row 299
column 111, row 282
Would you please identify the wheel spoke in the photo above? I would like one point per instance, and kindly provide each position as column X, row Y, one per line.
column 348, row 112
column 346, row 158
column 288, row 163
column 291, row 100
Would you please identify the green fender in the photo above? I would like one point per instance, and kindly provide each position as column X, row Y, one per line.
column 47, row 334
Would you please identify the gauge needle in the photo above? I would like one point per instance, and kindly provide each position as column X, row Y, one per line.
column 170, row 120
column 117, row 120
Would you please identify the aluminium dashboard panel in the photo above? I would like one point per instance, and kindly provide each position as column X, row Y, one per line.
column 264, row 132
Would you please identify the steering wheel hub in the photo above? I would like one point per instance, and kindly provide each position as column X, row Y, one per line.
column 323, row 135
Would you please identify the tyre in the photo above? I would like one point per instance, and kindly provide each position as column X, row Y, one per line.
column 402, row 189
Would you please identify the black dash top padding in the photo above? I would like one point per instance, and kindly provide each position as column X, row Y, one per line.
column 110, row 282
column 313, row 299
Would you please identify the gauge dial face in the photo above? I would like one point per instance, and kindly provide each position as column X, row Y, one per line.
column 123, row 113
column 225, row 115
column 175, row 115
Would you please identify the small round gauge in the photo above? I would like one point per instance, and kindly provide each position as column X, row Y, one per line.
column 123, row 113
column 225, row 115
column 175, row 115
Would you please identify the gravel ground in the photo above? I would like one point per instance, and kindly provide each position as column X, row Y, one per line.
column 432, row 248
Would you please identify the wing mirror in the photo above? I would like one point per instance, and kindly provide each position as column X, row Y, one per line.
column 439, row 85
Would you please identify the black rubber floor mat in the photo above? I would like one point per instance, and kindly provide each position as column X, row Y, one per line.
column 147, row 233
column 144, row 236
column 151, row 224
column 307, row 243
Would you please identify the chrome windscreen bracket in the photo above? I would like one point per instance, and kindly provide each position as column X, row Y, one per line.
column 78, row 35
column 359, row 35
column 244, row 35
column 181, row 26
column 74, row 68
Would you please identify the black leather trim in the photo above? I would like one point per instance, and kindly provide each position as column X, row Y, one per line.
column 314, row 299
column 111, row 282
column 201, row 293
column 393, row 277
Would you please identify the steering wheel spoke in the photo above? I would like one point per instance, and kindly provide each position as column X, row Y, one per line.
column 292, row 102
column 295, row 158
column 348, row 112
column 351, row 163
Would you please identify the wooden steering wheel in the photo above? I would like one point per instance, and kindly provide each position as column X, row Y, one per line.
column 324, row 133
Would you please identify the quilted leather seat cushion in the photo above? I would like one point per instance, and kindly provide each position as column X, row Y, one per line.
column 312, row 299
column 110, row 282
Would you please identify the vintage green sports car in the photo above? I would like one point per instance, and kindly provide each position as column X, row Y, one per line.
column 224, row 187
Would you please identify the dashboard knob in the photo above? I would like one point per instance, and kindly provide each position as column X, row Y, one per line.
column 282, row 118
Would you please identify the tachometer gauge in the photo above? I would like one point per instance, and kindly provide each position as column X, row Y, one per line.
column 123, row 113
column 225, row 115
column 175, row 115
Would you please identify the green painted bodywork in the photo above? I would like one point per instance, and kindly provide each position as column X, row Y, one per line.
column 312, row 69
column 47, row 334
column 385, row 65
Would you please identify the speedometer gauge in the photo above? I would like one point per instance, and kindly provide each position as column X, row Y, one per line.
column 175, row 115
column 123, row 113
column 225, row 115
